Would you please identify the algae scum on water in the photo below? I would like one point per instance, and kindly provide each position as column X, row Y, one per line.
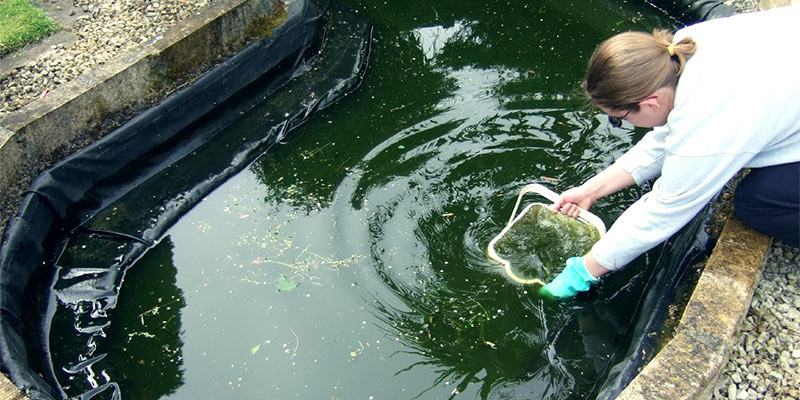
column 539, row 242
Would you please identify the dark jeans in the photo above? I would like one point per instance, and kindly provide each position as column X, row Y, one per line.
column 768, row 200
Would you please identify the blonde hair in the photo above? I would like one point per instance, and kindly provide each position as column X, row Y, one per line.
column 628, row 67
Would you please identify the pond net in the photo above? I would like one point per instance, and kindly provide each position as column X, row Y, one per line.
column 540, row 241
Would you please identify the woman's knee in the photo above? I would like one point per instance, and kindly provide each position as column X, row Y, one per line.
column 748, row 200
column 766, row 201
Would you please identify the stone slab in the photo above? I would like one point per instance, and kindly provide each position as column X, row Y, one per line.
column 689, row 365
column 8, row 391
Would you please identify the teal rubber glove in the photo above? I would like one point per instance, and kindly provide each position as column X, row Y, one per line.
column 573, row 279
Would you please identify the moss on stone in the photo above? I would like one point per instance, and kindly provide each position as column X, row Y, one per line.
column 263, row 25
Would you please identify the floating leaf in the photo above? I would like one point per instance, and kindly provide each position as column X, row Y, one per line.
column 285, row 284
column 255, row 348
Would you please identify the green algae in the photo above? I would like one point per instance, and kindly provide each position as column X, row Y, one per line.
column 538, row 243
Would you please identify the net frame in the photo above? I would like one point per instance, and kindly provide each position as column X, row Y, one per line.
column 584, row 216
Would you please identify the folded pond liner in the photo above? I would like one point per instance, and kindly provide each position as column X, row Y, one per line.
column 83, row 200
column 690, row 11
column 91, row 216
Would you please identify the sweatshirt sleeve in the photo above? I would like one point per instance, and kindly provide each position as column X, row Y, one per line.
column 685, row 186
column 644, row 160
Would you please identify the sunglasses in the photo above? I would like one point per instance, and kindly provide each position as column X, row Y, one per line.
column 616, row 122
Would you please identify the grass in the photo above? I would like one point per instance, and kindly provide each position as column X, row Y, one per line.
column 22, row 23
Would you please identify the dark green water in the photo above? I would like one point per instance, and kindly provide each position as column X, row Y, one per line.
column 349, row 262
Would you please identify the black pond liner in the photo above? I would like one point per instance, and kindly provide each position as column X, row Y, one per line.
column 671, row 274
column 689, row 11
column 67, row 249
column 87, row 219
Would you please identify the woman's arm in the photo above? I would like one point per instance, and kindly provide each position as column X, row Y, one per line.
column 610, row 180
column 593, row 266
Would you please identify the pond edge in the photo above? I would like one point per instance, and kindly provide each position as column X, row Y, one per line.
column 686, row 368
column 94, row 104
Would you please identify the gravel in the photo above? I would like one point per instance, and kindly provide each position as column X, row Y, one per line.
column 105, row 29
column 744, row 6
column 766, row 361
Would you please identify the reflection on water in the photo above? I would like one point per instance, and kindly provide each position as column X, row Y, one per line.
column 433, row 195
column 350, row 261
column 143, row 344
column 147, row 327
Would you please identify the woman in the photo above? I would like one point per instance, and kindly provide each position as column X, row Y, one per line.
column 722, row 95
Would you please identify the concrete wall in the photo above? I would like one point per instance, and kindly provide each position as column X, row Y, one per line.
column 83, row 110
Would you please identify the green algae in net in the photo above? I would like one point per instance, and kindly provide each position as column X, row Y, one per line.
column 538, row 243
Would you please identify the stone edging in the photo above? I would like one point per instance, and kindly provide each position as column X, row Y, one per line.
column 688, row 366
column 88, row 107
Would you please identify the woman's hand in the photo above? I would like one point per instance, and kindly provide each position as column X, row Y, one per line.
column 570, row 200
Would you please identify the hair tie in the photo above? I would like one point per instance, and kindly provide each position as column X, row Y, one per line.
column 671, row 49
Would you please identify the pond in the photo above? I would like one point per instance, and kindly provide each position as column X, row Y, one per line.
column 349, row 261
